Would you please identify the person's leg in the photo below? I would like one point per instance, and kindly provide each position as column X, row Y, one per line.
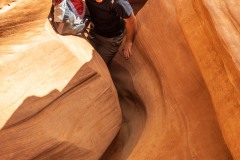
column 106, row 47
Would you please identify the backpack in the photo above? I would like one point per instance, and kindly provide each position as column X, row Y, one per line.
column 68, row 17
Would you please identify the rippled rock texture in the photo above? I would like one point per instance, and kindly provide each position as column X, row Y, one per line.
column 179, row 92
column 57, row 99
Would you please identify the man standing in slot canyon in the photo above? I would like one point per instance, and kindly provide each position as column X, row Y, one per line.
column 111, row 18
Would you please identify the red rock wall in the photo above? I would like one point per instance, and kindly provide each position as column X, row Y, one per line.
column 57, row 100
column 185, row 73
column 179, row 92
column 214, row 39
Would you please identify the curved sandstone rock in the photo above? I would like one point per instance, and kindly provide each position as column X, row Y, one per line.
column 179, row 92
column 57, row 100
column 184, row 83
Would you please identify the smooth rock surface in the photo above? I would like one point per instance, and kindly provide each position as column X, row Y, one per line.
column 179, row 92
column 184, row 83
column 57, row 100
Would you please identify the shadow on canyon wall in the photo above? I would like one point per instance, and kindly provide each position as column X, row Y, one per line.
column 133, row 109
column 168, row 92
column 62, row 124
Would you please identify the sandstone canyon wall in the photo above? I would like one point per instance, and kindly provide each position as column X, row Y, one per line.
column 57, row 100
column 185, row 71
column 179, row 92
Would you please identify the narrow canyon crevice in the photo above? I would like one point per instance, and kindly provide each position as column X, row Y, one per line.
column 177, row 97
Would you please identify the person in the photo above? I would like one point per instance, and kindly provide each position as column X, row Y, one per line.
column 111, row 19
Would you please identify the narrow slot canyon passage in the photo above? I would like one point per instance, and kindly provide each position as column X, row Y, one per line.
column 177, row 97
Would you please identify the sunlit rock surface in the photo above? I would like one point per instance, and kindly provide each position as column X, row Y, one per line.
column 57, row 100
column 179, row 92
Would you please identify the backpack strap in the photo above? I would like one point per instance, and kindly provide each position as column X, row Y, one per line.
column 88, row 25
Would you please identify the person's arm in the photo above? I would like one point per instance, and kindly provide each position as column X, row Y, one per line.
column 131, row 28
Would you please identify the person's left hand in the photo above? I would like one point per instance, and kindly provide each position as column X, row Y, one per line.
column 127, row 49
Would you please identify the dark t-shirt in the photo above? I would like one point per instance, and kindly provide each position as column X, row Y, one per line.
column 107, row 16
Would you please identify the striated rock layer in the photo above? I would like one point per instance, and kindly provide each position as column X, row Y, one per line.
column 182, row 83
column 57, row 100
column 179, row 92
